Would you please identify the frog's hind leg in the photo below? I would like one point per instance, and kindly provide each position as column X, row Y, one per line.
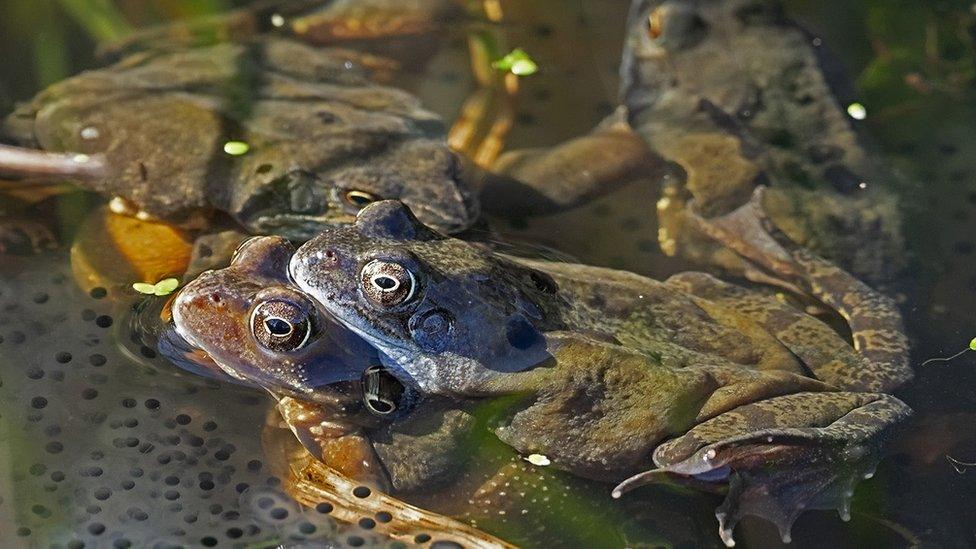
column 781, row 456
column 541, row 181
column 875, row 322
column 822, row 350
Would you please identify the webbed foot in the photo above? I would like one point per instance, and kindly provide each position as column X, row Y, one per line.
column 780, row 456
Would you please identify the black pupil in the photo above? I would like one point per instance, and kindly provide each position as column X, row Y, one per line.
column 385, row 282
column 277, row 327
column 359, row 199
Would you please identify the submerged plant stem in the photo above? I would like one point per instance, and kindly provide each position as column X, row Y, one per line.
column 33, row 163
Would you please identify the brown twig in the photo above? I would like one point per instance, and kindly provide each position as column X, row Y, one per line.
column 33, row 163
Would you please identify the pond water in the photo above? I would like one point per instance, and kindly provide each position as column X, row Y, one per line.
column 105, row 443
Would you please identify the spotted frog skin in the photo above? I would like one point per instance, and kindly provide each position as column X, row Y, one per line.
column 324, row 138
column 737, row 95
column 624, row 377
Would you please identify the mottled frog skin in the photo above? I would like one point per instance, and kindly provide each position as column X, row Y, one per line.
column 324, row 138
column 245, row 321
column 711, row 382
column 737, row 95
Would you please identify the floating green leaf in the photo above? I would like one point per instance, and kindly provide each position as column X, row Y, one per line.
column 517, row 62
column 972, row 344
column 236, row 148
column 161, row 288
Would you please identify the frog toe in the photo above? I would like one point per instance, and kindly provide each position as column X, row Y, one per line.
column 777, row 472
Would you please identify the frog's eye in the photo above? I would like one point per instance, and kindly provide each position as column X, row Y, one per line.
column 281, row 326
column 359, row 199
column 655, row 23
column 386, row 283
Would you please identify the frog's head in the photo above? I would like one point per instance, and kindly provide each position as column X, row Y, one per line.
column 449, row 313
column 258, row 329
column 664, row 37
column 300, row 199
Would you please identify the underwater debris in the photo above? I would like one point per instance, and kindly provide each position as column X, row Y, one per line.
column 960, row 466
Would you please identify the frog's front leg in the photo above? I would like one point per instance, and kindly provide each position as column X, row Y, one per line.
column 547, row 180
column 335, row 443
column 782, row 455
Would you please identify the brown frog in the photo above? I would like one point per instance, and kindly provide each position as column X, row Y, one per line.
column 322, row 138
column 738, row 95
column 247, row 323
column 715, row 384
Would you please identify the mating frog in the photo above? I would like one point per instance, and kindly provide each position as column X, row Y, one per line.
column 245, row 321
column 624, row 378
column 738, row 95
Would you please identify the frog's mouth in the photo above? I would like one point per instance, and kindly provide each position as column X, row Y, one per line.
column 185, row 355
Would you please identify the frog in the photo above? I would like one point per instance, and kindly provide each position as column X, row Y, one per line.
column 321, row 137
column 737, row 95
column 358, row 426
column 629, row 380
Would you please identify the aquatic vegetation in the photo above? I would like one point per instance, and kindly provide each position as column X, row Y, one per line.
column 236, row 148
column 517, row 62
column 972, row 347
column 164, row 287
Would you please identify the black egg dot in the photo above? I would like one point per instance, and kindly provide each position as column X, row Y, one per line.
column 208, row 541
column 63, row 357
column 367, row 523
column 183, row 419
column 421, row 538
column 54, row 447
column 383, row 516
column 103, row 321
column 171, row 480
column 122, row 543
column 57, row 476
column 136, row 472
column 128, row 403
column 306, row 528
column 98, row 292
column 324, row 508
column 23, row 531
column 38, row 402
column 93, row 509
column 209, row 426
column 76, row 544
column 254, row 465
column 40, row 297
column 355, row 541
column 222, row 455
column 97, row 360
column 35, row 373
column 206, row 485
column 102, row 494
column 234, row 533
column 127, row 485
column 89, row 394
column 147, row 352
column 279, row 513
column 137, row 513
column 361, row 492
column 241, row 487
column 38, row 469
column 171, row 495
column 152, row 404
column 96, row 528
